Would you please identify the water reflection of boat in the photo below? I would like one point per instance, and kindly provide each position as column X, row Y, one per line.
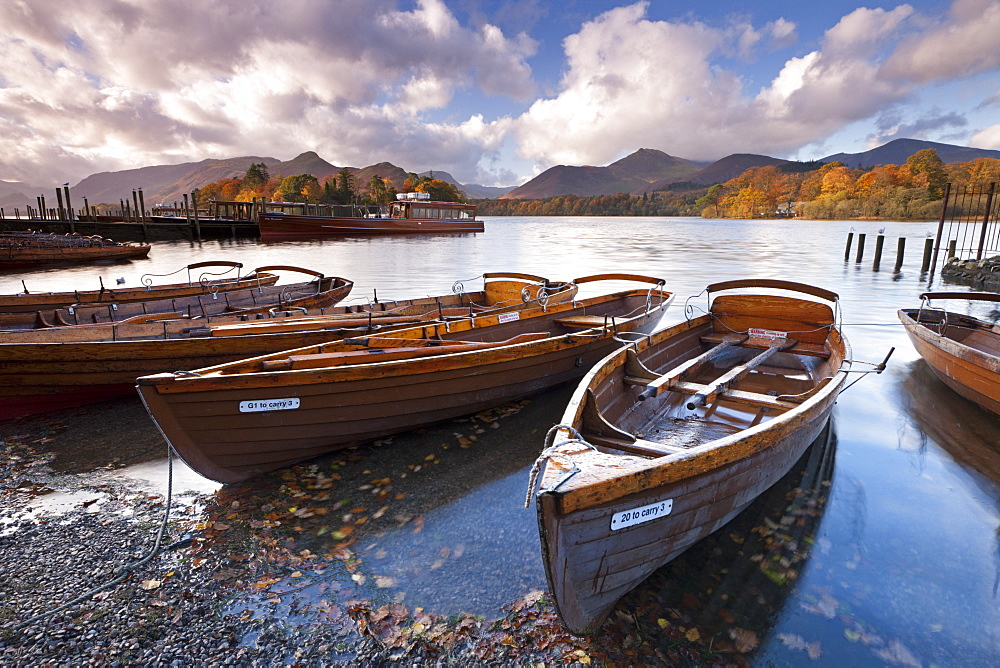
column 964, row 352
column 676, row 435
column 968, row 433
column 234, row 421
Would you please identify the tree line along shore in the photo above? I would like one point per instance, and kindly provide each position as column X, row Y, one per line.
column 911, row 191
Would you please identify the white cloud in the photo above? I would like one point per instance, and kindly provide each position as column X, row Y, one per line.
column 783, row 33
column 987, row 137
column 97, row 85
column 965, row 44
column 123, row 83
column 633, row 83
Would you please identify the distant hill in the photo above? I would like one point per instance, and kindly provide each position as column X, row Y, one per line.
column 632, row 172
column 898, row 150
column 17, row 194
column 305, row 163
column 718, row 172
column 471, row 190
column 644, row 171
column 169, row 183
column 161, row 183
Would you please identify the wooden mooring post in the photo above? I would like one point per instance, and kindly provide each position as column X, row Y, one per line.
column 900, row 247
column 879, row 242
column 847, row 250
column 925, row 264
column 194, row 208
column 861, row 248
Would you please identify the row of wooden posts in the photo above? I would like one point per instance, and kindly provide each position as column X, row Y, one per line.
column 130, row 212
column 65, row 213
column 900, row 248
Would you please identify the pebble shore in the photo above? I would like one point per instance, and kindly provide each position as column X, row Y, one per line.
column 171, row 611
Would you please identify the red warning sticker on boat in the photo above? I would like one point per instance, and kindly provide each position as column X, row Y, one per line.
column 766, row 333
column 509, row 317
column 269, row 405
column 653, row 511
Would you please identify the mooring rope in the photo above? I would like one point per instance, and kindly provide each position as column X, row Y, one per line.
column 549, row 452
column 125, row 571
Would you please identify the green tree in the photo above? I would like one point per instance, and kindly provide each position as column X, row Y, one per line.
column 345, row 186
column 713, row 198
column 256, row 175
column 300, row 188
column 380, row 191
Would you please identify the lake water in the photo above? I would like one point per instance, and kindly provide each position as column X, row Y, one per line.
column 906, row 548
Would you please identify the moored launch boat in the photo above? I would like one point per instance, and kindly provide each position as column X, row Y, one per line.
column 669, row 438
column 407, row 215
column 233, row 421
column 199, row 283
column 963, row 351
column 53, row 368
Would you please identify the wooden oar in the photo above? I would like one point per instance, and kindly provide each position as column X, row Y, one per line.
column 733, row 376
column 678, row 373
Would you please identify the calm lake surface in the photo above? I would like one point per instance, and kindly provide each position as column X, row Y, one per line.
column 907, row 543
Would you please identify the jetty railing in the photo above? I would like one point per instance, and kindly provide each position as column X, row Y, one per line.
column 969, row 224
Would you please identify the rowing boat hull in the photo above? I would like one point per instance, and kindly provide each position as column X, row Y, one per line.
column 55, row 368
column 282, row 225
column 218, row 423
column 971, row 366
column 593, row 547
column 40, row 377
column 33, row 301
column 319, row 293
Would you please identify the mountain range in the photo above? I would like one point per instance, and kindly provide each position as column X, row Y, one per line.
column 644, row 171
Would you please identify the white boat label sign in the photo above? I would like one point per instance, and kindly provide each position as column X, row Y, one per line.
column 509, row 317
column 258, row 405
column 766, row 334
column 629, row 518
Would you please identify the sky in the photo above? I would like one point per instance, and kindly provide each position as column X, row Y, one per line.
column 491, row 91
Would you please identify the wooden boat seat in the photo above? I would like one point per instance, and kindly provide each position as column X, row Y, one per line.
column 584, row 321
column 384, row 350
column 800, row 348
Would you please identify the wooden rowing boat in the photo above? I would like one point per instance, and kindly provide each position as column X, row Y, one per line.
column 668, row 439
column 32, row 249
column 203, row 282
column 47, row 369
column 230, row 422
column 964, row 352
column 316, row 292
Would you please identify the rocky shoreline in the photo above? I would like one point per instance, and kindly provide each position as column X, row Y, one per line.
column 979, row 274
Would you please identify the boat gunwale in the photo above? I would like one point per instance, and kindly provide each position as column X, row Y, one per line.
column 639, row 471
column 170, row 383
